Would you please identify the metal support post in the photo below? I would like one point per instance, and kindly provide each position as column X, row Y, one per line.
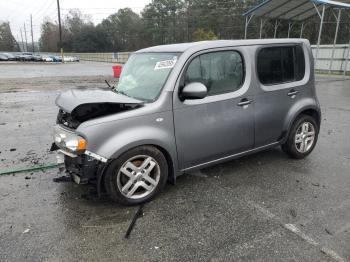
column 319, row 31
column 247, row 21
column 261, row 27
column 290, row 26
column 277, row 23
column 302, row 30
column 347, row 59
column 335, row 39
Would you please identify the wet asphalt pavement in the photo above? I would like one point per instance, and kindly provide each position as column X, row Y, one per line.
column 264, row 207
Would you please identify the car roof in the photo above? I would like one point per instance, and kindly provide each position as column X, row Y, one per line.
column 182, row 47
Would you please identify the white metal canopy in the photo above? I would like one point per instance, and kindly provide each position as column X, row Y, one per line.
column 298, row 11
column 295, row 10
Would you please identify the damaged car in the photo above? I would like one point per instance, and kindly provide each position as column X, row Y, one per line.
column 182, row 107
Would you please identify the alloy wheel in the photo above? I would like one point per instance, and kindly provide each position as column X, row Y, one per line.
column 138, row 176
column 304, row 137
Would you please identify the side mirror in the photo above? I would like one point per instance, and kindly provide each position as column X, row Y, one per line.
column 194, row 90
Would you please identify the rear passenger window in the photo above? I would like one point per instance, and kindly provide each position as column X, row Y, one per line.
column 287, row 59
column 278, row 65
column 221, row 72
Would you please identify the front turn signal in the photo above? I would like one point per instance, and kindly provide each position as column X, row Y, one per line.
column 81, row 144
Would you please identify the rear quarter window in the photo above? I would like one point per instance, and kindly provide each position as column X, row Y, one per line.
column 280, row 64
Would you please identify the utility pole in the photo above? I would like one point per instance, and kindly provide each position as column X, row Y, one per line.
column 31, row 26
column 60, row 29
column 22, row 39
column 25, row 35
column 17, row 42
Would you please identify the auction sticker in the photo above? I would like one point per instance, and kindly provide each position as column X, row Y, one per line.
column 165, row 64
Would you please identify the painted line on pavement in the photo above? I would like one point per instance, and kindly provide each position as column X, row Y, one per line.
column 294, row 229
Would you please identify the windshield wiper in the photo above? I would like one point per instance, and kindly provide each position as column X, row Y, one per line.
column 111, row 87
column 125, row 94
column 121, row 92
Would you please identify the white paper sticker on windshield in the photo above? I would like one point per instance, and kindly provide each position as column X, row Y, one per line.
column 165, row 64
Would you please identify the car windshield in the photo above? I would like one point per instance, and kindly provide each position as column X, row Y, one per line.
column 144, row 75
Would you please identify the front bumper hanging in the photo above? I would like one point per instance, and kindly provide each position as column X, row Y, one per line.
column 82, row 168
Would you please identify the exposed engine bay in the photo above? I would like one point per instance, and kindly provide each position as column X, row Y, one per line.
column 79, row 105
column 86, row 112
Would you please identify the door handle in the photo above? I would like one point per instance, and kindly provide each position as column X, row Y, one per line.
column 292, row 92
column 244, row 102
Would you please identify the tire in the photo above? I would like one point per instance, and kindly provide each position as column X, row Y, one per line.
column 127, row 172
column 300, row 141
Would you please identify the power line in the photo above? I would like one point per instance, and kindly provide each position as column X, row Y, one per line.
column 99, row 8
column 52, row 15
column 43, row 9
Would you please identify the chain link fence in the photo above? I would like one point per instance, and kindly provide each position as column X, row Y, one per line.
column 116, row 58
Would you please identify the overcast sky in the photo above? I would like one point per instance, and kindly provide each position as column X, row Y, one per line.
column 17, row 12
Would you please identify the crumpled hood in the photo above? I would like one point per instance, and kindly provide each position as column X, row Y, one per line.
column 71, row 99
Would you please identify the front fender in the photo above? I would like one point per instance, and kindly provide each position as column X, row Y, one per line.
column 131, row 138
column 111, row 139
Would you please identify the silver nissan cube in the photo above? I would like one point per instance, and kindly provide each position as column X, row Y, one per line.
column 183, row 107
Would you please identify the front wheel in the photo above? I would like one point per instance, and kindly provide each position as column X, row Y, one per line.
column 302, row 137
column 136, row 176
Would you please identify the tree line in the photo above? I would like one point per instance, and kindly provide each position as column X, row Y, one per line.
column 160, row 22
column 7, row 41
column 173, row 21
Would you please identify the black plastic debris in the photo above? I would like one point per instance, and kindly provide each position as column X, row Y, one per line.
column 328, row 231
column 62, row 179
column 137, row 215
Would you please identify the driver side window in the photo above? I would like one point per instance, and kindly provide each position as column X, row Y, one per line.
column 221, row 72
